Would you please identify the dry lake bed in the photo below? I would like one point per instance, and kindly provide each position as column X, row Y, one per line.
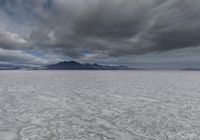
column 99, row 105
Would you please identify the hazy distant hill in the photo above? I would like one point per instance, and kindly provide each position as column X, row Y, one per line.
column 72, row 65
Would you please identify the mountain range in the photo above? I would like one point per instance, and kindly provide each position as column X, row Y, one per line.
column 65, row 65
column 73, row 65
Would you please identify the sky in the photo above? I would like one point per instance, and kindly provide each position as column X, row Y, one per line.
column 137, row 33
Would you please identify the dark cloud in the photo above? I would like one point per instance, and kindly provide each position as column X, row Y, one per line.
column 11, row 41
column 109, row 28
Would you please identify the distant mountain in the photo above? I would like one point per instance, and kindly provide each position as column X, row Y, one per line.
column 73, row 65
column 191, row 69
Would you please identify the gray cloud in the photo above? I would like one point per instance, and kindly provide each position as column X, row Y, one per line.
column 11, row 41
column 19, row 57
column 110, row 29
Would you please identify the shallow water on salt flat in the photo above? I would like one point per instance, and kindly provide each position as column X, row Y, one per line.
column 99, row 105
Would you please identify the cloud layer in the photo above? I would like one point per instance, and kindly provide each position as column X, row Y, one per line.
column 109, row 29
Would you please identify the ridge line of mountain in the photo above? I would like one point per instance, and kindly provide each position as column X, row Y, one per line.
column 73, row 65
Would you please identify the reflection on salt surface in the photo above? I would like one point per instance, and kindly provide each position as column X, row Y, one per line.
column 99, row 105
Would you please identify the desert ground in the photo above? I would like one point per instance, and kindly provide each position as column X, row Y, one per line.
column 99, row 105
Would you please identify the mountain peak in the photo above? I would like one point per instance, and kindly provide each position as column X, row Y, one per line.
column 69, row 62
column 73, row 65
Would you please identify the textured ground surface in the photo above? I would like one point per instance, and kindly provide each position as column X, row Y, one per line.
column 99, row 105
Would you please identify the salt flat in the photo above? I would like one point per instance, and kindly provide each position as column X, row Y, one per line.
column 99, row 105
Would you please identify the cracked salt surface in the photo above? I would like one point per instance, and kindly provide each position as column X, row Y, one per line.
column 99, row 105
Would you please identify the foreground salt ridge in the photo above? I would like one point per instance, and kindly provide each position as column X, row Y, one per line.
column 99, row 105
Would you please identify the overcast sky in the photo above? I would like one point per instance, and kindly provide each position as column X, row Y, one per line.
column 131, row 32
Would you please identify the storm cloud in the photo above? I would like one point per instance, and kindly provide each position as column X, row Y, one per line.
column 109, row 29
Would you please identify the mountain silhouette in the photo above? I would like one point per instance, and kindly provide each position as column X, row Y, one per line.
column 73, row 65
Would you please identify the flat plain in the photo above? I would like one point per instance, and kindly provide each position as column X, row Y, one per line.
column 99, row 105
